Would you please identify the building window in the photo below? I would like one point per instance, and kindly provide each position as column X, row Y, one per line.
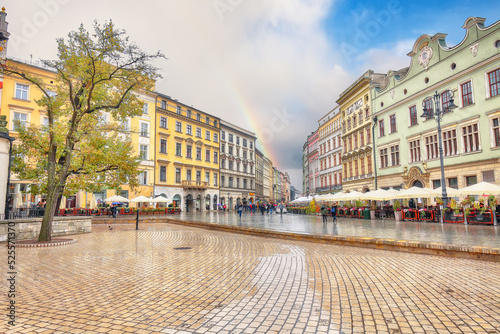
column 189, row 151
column 145, row 108
column 216, row 137
column 178, row 110
column 355, row 140
column 216, row 158
column 222, row 180
column 143, row 152
column 496, row 132
column 230, row 138
column 223, row 135
column 356, row 171
column 223, row 163
column 143, row 178
column 436, row 184
column 244, row 154
column 215, row 123
column 489, row 176
column 368, row 136
column 251, row 145
column 431, row 145
column 237, row 166
column 368, row 164
column 494, row 82
column 237, row 151
column 163, row 173
column 395, row 155
column 163, row 104
column 188, row 175
column 178, row 126
column 362, row 162
column 384, row 159
column 230, row 182
column 470, row 135
column 230, row 148
column 207, row 120
column 178, row 149
column 237, row 140
column 446, row 101
column 230, row 165
column 163, row 146
column 188, row 113
column 244, row 183
column 413, row 116
column 381, row 131
column 350, row 143
column 215, row 179
column 22, row 91
column 207, row 135
column 453, row 183
column 198, row 153
column 177, row 175
column 20, row 120
column 223, row 148
column 429, row 107
column 163, row 122
column 414, row 150
column 350, row 169
column 144, row 129
column 450, row 142
column 207, row 155
column 189, row 129
column 198, row 132
column 361, row 138
column 470, row 180
column 198, row 176
column 466, row 89
column 207, row 177
column 244, row 143
column 198, row 117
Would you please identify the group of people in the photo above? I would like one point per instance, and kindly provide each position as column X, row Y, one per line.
column 269, row 208
column 326, row 210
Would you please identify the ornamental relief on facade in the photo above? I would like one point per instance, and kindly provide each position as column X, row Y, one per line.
column 474, row 48
column 413, row 175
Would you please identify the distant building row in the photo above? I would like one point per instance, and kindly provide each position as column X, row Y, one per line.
column 195, row 159
column 375, row 138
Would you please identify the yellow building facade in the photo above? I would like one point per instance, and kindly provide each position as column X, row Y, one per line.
column 357, row 137
column 186, row 155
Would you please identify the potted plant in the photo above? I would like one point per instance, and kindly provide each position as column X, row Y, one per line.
column 397, row 210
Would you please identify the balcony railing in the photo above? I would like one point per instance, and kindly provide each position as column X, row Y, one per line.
column 190, row 184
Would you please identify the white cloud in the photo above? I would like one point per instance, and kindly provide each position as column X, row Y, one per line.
column 242, row 62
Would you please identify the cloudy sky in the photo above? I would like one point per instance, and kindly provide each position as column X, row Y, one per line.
column 274, row 67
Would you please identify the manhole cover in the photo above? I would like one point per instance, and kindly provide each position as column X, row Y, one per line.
column 182, row 248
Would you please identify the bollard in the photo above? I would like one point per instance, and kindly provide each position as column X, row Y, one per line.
column 137, row 220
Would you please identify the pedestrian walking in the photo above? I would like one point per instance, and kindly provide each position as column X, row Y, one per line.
column 324, row 213
column 334, row 213
column 281, row 209
column 271, row 207
column 240, row 209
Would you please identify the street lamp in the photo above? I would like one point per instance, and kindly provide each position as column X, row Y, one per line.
column 438, row 114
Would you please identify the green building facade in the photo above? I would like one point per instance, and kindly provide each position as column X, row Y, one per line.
column 407, row 145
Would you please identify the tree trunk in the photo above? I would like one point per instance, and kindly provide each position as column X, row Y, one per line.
column 48, row 216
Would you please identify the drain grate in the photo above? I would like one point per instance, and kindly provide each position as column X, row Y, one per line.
column 182, row 248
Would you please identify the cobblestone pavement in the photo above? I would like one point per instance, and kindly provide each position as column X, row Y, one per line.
column 456, row 234
column 168, row 278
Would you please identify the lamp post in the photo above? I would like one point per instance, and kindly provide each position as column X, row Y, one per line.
column 438, row 114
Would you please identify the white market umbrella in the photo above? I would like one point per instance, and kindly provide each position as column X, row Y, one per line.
column 378, row 195
column 451, row 192
column 160, row 199
column 353, row 195
column 416, row 192
column 141, row 199
column 482, row 188
column 116, row 198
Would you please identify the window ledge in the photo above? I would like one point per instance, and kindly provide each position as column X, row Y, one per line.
column 474, row 152
column 467, row 105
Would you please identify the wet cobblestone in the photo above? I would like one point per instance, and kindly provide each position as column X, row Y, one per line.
column 456, row 234
column 167, row 278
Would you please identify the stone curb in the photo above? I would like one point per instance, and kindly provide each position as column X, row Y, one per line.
column 410, row 246
column 46, row 244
